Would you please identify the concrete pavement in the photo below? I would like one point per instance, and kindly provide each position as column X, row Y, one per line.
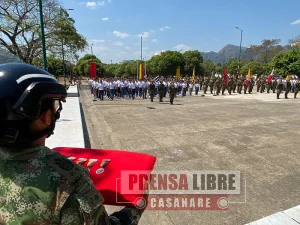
column 256, row 134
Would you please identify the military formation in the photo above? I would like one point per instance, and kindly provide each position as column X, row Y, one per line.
column 130, row 88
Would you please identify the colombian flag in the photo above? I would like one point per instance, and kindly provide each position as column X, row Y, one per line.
column 249, row 74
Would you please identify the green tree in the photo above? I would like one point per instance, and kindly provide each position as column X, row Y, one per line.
column 287, row 62
column 254, row 66
column 20, row 29
column 193, row 59
column 209, row 68
column 232, row 66
column 267, row 50
column 83, row 65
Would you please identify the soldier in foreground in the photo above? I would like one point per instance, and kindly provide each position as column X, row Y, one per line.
column 41, row 186
column 152, row 90
column 172, row 92
column 279, row 88
column 161, row 91
column 296, row 88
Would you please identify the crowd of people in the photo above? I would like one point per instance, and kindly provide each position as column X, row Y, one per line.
column 130, row 88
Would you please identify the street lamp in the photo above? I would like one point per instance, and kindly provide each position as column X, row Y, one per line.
column 142, row 46
column 240, row 48
column 92, row 48
column 62, row 46
column 43, row 35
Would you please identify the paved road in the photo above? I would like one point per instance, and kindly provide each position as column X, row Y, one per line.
column 255, row 134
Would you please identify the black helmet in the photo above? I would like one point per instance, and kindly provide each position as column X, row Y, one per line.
column 22, row 90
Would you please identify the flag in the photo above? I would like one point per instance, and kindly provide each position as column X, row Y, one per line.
column 248, row 83
column 225, row 75
column 249, row 73
column 141, row 75
column 93, row 70
column 156, row 79
column 288, row 78
column 271, row 76
column 178, row 72
column 194, row 72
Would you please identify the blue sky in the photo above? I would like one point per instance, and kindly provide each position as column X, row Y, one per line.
column 114, row 26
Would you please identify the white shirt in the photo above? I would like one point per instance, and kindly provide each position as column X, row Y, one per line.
column 184, row 85
column 101, row 86
column 132, row 85
column 111, row 85
column 144, row 84
column 197, row 85
column 191, row 85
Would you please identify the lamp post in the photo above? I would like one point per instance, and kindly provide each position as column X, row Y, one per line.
column 142, row 46
column 92, row 48
column 43, row 35
column 145, row 66
column 62, row 48
column 240, row 48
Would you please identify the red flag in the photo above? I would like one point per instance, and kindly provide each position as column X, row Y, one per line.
column 270, row 78
column 106, row 168
column 93, row 69
column 225, row 76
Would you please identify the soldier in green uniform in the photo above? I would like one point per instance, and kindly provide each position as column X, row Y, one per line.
column 269, row 86
column 230, row 85
column 258, row 84
column 224, row 86
column 288, row 88
column 245, row 83
column 252, row 83
column 234, row 83
column 151, row 90
column 38, row 185
column 172, row 92
column 240, row 85
column 211, row 84
column 161, row 91
column 296, row 88
column 205, row 85
column 263, row 84
column 274, row 85
column 279, row 88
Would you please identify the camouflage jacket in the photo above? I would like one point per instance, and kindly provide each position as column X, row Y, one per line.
column 39, row 186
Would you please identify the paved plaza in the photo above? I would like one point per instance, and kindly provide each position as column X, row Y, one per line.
column 256, row 134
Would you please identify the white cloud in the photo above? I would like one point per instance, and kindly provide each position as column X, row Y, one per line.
column 165, row 28
column 118, row 43
column 105, row 18
column 296, row 22
column 152, row 31
column 90, row 4
column 120, row 34
column 146, row 34
column 127, row 48
column 182, row 47
column 93, row 4
column 158, row 52
column 154, row 40
column 98, row 41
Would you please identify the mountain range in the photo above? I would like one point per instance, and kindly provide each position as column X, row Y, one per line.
column 232, row 51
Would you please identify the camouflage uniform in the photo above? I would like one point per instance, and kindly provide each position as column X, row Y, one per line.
column 263, row 85
column 151, row 91
column 279, row 88
column 288, row 89
column 240, row 85
column 258, row 83
column 274, row 85
column 269, row 86
column 161, row 91
column 172, row 92
column 211, row 84
column 251, row 85
column 224, row 86
column 230, row 85
column 205, row 85
column 296, row 88
column 44, row 187
column 234, row 85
